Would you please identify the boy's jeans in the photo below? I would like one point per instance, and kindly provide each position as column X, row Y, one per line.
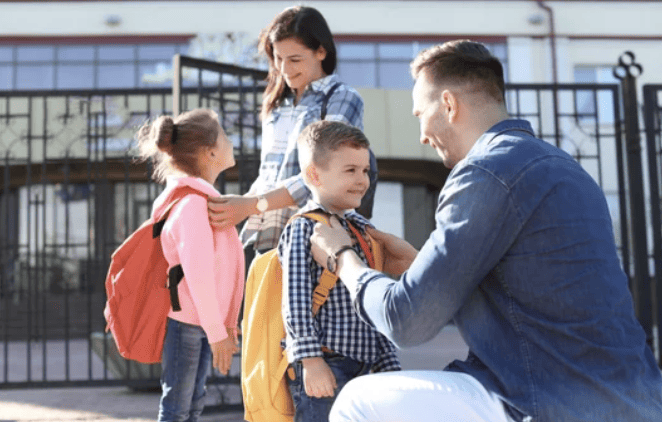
column 312, row 409
column 185, row 364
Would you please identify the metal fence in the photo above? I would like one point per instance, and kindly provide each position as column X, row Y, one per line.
column 71, row 192
column 653, row 126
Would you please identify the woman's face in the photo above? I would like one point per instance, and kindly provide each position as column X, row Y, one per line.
column 298, row 64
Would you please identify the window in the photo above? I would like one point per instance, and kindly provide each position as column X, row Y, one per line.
column 590, row 102
column 375, row 64
column 84, row 66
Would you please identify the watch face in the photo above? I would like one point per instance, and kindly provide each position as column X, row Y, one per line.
column 331, row 264
column 262, row 204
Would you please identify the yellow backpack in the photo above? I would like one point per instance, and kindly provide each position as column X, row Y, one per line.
column 263, row 361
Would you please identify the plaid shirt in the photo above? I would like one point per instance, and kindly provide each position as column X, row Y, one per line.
column 279, row 162
column 336, row 326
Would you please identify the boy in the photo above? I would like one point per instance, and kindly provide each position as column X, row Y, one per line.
column 335, row 346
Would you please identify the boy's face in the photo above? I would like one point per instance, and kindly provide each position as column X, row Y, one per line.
column 343, row 179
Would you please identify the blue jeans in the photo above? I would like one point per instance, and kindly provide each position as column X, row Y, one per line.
column 185, row 364
column 312, row 409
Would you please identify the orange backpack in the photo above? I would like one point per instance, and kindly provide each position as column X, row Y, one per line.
column 140, row 290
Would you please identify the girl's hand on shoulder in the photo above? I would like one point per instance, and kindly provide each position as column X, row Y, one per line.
column 229, row 210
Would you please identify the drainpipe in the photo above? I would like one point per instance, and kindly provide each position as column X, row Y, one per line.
column 552, row 37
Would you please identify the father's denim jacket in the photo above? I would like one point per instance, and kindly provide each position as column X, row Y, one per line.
column 523, row 259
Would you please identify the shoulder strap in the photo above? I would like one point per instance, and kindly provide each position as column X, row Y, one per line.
column 367, row 250
column 176, row 273
column 326, row 98
column 327, row 280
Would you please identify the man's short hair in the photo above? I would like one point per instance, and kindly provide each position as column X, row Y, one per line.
column 321, row 137
column 462, row 62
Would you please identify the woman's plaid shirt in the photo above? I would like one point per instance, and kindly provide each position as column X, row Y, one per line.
column 336, row 326
column 279, row 162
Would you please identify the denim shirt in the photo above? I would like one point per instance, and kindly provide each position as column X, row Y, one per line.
column 523, row 259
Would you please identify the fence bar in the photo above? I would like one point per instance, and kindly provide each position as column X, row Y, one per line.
column 627, row 70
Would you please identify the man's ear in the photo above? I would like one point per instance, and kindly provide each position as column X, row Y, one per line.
column 312, row 175
column 450, row 104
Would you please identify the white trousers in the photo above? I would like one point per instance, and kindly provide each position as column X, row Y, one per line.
column 417, row 396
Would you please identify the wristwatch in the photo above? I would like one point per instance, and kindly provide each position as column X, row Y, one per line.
column 262, row 204
column 332, row 260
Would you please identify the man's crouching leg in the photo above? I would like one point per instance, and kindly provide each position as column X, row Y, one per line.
column 417, row 396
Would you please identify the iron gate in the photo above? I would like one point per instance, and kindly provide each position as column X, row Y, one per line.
column 653, row 126
column 71, row 192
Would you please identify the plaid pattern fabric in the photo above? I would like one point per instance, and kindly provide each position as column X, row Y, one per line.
column 279, row 164
column 336, row 326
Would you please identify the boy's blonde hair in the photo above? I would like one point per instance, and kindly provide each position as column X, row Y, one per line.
column 324, row 136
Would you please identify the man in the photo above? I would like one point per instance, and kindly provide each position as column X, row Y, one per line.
column 523, row 260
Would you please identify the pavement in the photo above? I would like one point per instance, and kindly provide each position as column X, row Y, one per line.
column 114, row 404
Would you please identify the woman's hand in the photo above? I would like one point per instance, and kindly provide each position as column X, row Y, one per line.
column 222, row 352
column 318, row 379
column 229, row 210
column 398, row 253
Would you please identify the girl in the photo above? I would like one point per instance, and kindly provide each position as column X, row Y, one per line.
column 302, row 58
column 189, row 152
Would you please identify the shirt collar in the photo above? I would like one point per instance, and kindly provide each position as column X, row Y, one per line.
column 320, row 86
column 357, row 219
column 516, row 125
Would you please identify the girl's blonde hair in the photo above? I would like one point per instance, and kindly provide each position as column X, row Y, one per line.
column 174, row 144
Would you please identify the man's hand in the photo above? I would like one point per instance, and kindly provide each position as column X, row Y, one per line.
column 229, row 210
column 318, row 379
column 222, row 352
column 398, row 253
column 327, row 240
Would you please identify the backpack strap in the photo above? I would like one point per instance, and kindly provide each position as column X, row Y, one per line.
column 328, row 280
column 367, row 250
column 176, row 273
column 326, row 98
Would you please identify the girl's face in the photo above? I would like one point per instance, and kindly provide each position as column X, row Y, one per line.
column 223, row 152
column 298, row 64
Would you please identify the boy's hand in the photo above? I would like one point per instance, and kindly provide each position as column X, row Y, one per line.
column 222, row 352
column 398, row 253
column 229, row 210
column 318, row 379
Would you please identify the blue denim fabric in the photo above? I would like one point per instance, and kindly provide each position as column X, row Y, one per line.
column 312, row 409
column 523, row 258
column 185, row 364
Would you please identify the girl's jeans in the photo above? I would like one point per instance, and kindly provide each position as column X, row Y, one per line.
column 185, row 364
column 418, row 396
column 312, row 409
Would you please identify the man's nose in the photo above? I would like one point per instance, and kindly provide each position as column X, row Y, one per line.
column 424, row 140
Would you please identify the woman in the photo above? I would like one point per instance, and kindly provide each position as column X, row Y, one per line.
column 300, row 85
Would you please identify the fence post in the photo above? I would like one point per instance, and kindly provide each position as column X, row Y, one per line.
column 627, row 70
column 176, row 85
column 652, row 124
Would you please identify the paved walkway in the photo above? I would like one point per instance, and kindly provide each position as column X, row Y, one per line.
column 114, row 404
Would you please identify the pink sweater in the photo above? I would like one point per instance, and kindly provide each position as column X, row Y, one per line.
column 213, row 260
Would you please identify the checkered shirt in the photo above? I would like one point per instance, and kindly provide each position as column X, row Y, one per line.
column 336, row 326
column 279, row 162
